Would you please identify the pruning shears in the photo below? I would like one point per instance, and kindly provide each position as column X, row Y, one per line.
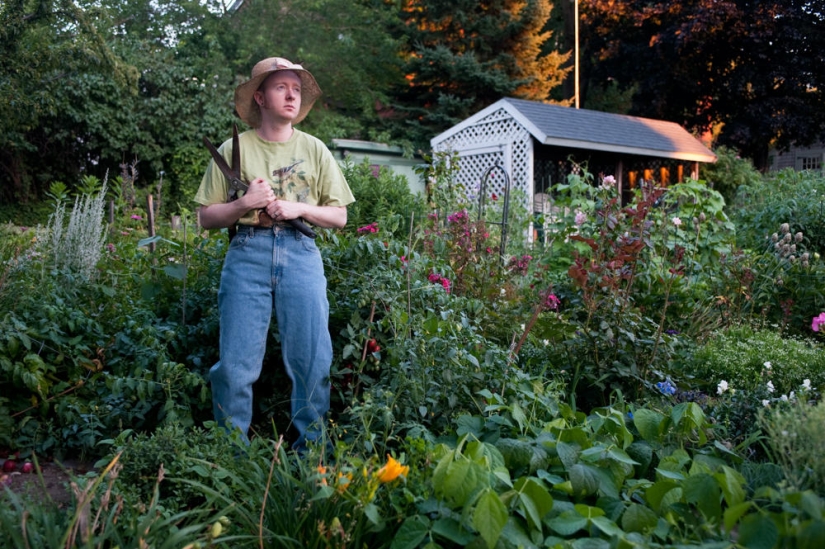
column 233, row 175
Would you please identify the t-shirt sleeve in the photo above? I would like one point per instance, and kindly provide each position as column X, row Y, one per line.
column 214, row 187
column 334, row 189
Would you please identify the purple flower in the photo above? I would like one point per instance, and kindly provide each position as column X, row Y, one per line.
column 817, row 322
column 136, row 217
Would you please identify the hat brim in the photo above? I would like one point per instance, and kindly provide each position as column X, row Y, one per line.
column 247, row 108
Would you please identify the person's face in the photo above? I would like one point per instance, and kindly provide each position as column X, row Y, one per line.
column 280, row 96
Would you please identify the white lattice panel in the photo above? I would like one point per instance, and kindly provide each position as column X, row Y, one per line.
column 494, row 138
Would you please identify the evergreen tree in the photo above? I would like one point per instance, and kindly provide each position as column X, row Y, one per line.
column 464, row 55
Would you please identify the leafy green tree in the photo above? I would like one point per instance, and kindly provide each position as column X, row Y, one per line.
column 347, row 46
column 90, row 86
column 462, row 56
column 751, row 68
column 43, row 44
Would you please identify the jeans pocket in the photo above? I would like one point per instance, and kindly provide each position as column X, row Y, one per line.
column 309, row 244
column 239, row 241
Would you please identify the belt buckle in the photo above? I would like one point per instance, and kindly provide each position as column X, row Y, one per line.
column 264, row 220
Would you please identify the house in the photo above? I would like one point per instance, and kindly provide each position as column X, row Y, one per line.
column 798, row 158
column 378, row 155
column 539, row 144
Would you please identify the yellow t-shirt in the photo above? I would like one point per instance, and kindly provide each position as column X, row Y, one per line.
column 299, row 170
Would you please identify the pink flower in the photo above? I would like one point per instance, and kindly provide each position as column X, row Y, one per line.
column 457, row 216
column 551, row 302
column 136, row 217
column 436, row 278
column 581, row 217
column 817, row 321
column 371, row 228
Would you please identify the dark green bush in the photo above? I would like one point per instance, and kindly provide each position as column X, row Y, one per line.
column 383, row 197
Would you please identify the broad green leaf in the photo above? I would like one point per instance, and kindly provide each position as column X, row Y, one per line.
column 567, row 523
column 607, row 526
column 621, row 456
column 590, row 543
column 755, row 532
column 811, row 536
column 588, row 511
column 638, row 518
column 534, row 499
column 734, row 513
column 641, row 452
column 489, row 517
column 648, row 424
column 568, row 454
column 703, row 490
column 732, row 483
column 451, row 529
column 176, row 271
column 411, row 533
column 584, row 479
column 656, row 493
column 462, row 479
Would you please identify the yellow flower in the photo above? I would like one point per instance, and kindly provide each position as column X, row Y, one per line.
column 343, row 482
column 392, row 470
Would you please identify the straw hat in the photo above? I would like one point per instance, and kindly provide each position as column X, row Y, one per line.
column 246, row 107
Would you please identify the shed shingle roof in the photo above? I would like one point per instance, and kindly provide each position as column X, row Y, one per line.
column 594, row 130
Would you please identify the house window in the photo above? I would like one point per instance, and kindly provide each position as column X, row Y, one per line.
column 810, row 162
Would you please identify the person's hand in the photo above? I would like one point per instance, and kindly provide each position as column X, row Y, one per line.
column 259, row 195
column 284, row 210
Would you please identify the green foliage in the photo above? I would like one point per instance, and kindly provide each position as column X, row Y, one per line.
column 730, row 173
column 794, row 435
column 97, row 517
column 739, row 355
column 381, row 197
column 789, row 197
column 454, row 74
column 177, row 450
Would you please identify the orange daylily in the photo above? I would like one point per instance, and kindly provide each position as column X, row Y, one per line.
column 392, row 470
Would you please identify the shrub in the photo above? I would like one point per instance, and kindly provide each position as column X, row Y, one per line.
column 173, row 449
column 381, row 197
column 796, row 437
column 748, row 358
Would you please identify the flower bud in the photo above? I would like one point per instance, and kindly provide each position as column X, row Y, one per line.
column 798, row 236
column 784, row 228
column 774, row 237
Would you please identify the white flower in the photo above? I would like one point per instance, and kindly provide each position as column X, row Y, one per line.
column 546, row 342
column 767, row 365
column 770, row 387
column 766, row 403
column 722, row 387
column 503, row 292
column 784, row 398
column 792, row 396
column 806, row 384
column 676, row 221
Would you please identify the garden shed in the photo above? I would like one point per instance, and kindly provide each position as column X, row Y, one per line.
column 538, row 145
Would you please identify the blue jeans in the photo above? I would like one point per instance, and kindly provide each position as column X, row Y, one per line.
column 264, row 269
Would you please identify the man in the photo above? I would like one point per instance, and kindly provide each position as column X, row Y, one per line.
column 269, row 264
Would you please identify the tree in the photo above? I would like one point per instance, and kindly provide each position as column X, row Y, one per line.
column 347, row 46
column 42, row 43
column 751, row 69
column 462, row 56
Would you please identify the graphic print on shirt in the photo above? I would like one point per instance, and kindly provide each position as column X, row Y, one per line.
column 290, row 183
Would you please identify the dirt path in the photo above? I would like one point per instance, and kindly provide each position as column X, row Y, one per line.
column 51, row 484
